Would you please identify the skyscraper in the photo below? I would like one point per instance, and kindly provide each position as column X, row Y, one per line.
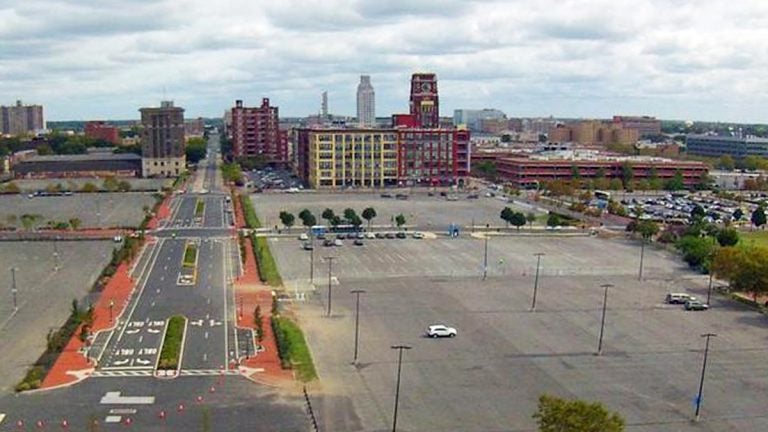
column 366, row 102
column 425, row 108
column 256, row 132
column 163, row 149
column 21, row 119
column 324, row 105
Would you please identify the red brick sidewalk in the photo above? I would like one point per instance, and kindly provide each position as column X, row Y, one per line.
column 163, row 212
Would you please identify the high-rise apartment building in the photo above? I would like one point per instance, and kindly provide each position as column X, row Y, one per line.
column 162, row 141
column 425, row 107
column 21, row 119
column 366, row 102
column 256, row 133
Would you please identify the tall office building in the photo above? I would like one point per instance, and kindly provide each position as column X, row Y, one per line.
column 425, row 107
column 256, row 133
column 366, row 102
column 324, row 105
column 21, row 119
column 162, row 141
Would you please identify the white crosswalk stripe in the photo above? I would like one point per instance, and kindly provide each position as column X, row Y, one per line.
column 146, row 372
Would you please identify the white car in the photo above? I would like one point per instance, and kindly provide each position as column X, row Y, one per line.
column 303, row 236
column 418, row 235
column 338, row 242
column 370, row 235
column 441, row 330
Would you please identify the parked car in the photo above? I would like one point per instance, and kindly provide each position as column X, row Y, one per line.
column 303, row 236
column 341, row 236
column 401, row 196
column 678, row 298
column 338, row 242
column 418, row 235
column 441, row 330
column 386, row 195
column 695, row 305
column 308, row 246
column 389, row 235
column 401, row 235
column 472, row 196
column 328, row 242
column 320, row 236
column 358, row 242
column 380, row 235
column 360, row 236
column 370, row 235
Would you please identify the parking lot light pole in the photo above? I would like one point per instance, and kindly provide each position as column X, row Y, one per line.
column 14, row 291
column 602, row 321
column 485, row 254
column 703, row 370
column 311, row 259
column 400, row 349
column 330, row 269
column 111, row 307
column 709, row 290
column 357, row 293
column 642, row 255
column 538, row 256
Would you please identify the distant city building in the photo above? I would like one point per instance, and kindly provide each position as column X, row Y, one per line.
column 366, row 102
column 538, row 126
column 162, row 141
column 99, row 164
column 735, row 146
column 324, row 105
column 645, row 125
column 194, row 128
column 99, row 130
column 527, row 171
column 432, row 157
column 593, row 132
column 256, row 133
column 424, row 102
column 21, row 119
column 473, row 118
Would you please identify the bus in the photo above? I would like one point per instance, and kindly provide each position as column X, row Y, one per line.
column 603, row 195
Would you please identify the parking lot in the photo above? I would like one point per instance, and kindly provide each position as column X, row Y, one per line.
column 44, row 296
column 490, row 376
column 272, row 179
column 93, row 210
column 425, row 212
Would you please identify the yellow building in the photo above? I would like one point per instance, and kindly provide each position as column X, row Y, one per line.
column 338, row 158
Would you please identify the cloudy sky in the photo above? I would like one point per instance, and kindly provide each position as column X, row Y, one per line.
column 675, row 59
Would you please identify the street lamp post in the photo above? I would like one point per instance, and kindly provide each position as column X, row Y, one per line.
column 14, row 291
column 357, row 293
column 311, row 259
column 538, row 256
column 400, row 349
column 642, row 255
column 55, row 254
column 330, row 269
column 485, row 254
column 709, row 290
column 602, row 321
column 111, row 307
column 703, row 370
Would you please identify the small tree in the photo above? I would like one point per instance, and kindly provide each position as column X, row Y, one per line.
column 554, row 220
column 531, row 218
column 350, row 214
column 738, row 214
column 758, row 216
column 728, row 237
column 506, row 215
column 517, row 219
column 258, row 322
column 698, row 213
column 368, row 214
column 75, row 223
column 328, row 215
column 287, row 219
column 647, row 229
column 89, row 187
column 400, row 220
column 561, row 415
column 335, row 221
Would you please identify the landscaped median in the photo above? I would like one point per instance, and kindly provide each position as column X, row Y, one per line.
column 199, row 208
column 266, row 262
column 190, row 255
column 292, row 348
column 173, row 342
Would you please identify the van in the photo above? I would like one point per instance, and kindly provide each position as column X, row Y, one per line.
column 678, row 298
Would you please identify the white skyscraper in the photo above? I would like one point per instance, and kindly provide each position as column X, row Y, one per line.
column 366, row 102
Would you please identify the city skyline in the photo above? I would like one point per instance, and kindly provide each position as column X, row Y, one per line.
column 585, row 59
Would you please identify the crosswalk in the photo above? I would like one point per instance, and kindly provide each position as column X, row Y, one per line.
column 149, row 372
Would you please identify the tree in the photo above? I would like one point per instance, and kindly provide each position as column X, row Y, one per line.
column 506, row 215
column 400, row 220
column 110, row 183
column 356, row 221
column 561, row 415
column 123, row 186
column 751, row 163
column 698, row 213
column 758, row 216
column 554, row 220
column 328, row 215
column 738, row 214
column 675, row 183
column 726, row 162
column 196, row 149
column 307, row 218
column 697, row 251
column 350, row 214
column 531, row 218
column 728, row 237
column 518, row 220
column 627, row 174
column 258, row 322
column 368, row 214
column 725, row 263
column 647, row 229
column 751, row 273
column 89, row 187
column 335, row 221
column 287, row 219
column 75, row 223
column 11, row 188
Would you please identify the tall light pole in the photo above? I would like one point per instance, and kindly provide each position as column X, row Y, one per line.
column 709, row 290
column 14, row 291
column 602, row 321
column 703, row 370
column 538, row 256
column 311, row 258
column 485, row 254
column 400, row 349
column 642, row 255
column 55, row 254
column 357, row 293
column 330, row 269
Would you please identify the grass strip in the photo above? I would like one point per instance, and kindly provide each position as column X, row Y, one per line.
column 199, row 208
column 267, row 267
column 251, row 220
column 190, row 255
column 292, row 348
column 174, row 338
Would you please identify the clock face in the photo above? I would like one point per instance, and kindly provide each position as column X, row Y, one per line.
column 425, row 87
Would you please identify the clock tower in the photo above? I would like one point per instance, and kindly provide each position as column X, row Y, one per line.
column 425, row 108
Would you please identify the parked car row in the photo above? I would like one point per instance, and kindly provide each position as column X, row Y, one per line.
column 689, row 302
column 358, row 238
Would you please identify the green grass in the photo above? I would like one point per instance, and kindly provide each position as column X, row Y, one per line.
column 199, row 208
column 251, row 220
column 267, row 267
column 754, row 238
column 190, row 255
column 293, row 350
column 174, row 335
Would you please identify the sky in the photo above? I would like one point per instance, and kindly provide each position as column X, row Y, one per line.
column 673, row 59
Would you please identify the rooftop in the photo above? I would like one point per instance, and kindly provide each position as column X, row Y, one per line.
column 84, row 157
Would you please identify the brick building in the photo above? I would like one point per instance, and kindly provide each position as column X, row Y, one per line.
column 593, row 132
column 256, row 132
column 645, row 125
column 424, row 102
column 163, row 148
column 101, row 131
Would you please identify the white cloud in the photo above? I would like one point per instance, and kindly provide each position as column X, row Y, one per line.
column 700, row 59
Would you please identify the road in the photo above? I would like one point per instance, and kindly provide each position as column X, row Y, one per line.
column 127, row 356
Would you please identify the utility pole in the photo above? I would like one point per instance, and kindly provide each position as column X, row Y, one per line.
column 14, row 291
column 538, row 256
column 330, row 269
column 709, row 290
column 311, row 259
column 55, row 254
column 400, row 349
column 642, row 254
column 357, row 293
column 485, row 254
column 700, row 395
column 602, row 321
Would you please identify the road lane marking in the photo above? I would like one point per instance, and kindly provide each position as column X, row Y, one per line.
column 115, row 398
